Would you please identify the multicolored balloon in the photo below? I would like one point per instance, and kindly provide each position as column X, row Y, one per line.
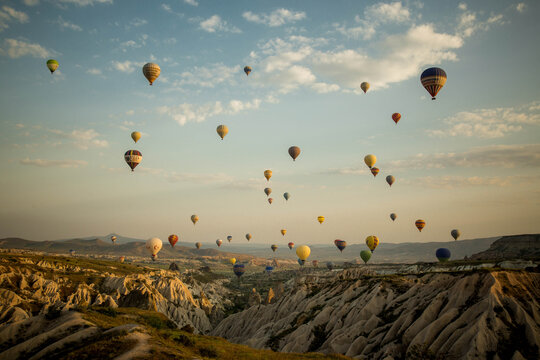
column 194, row 219
column 133, row 158
column 222, row 130
column 364, row 86
column 365, row 255
column 374, row 171
column 340, row 244
column 294, row 151
column 229, row 238
column 274, row 248
column 247, row 70
column 396, row 117
column 267, row 191
column 443, row 254
column 433, row 79
column 219, row 242
column 113, row 239
column 393, row 216
column 238, row 269
column 173, row 239
column 290, row 245
column 420, row 224
column 372, row 242
column 270, row 200
column 151, row 72
column 52, row 65
column 269, row 269
column 455, row 234
column 248, row 236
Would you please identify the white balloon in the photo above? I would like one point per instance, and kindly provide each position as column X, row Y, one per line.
column 153, row 245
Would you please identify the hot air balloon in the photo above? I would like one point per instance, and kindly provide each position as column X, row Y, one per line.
column 370, row 160
column 320, row 219
column 303, row 252
column 374, row 171
column 135, row 136
column 315, row 263
column 133, row 158
column 390, row 179
column 290, row 245
column 269, row 269
column 274, row 248
column 173, row 239
column 433, row 79
column 71, row 252
column 393, row 216
column 420, row 224
column 198, row 245
column 194, row 219
column 113, row 239
column 443, row 254
column 219, row 242
column 372, row 241
column 238, row 269
column 455, row 234
column 287, row 196
column 294, row 151
column 222, row 130
column 301, row 262
column 283, row 232
column 248, row 237
column 267, row 174
column 340, row 244
column 52, row 65
column 153, row 246
column 365, row 255
column 151, row 72
column 232, row 260
column 121, row 259
column 396, row 117
column 267, row 191
column 329, row 265
column 364, row 86
column 229, row 238
column 270, row 200
column 247, row 70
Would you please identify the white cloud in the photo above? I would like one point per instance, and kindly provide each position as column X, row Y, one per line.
column 365, row 30
column 19, row 48
column 184, row 113
column 81, row 139
column 275, row 18
column 138, row 22
column 125, row 66
column 384, row 13
column 64, row 24
column 191, row 2
column 207, row 76
column 31, row 2
column 468, row 22
column 94, row 71
column 53, row 163
column 490, row 123
column 324, row 88
column 86, row 2
column 216, row 24
column 521, row 7
column 8, row 14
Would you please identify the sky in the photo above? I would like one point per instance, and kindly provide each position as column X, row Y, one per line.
column 469, row 160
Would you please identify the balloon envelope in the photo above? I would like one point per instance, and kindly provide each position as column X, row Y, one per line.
column 219, row 242
column 270, row 200
column 370, row 160
column 365, row 255
column 433, row 79
column 194, row 219
column 267, row 174
column 173, row 239
column 113, row 239
column 283, row 232
column 153, row 245
column 247, row 69
column 232, row 260
column 133, row 158
column 274, row 248
column 294, row 151
column 443, row 254
column 52, row 65
column 301, row 262
column 248, row 237
column 396, row 117
column 229, row 238
column 269, row 269
column 393, row 216
column 267, row 191
column 330, row 265
column 320, row 219
column 420, row 224
column 303, row 252
column 390, row 180
column 198, row 245
column 135, row 136
column 222, row 130
column 151, row 72
column 455, row 234
column 364, row 86
column 287, row 196
column 290, row 245
column 239, row 269
column 340, row 244
column 372, row 242
column 374, row 171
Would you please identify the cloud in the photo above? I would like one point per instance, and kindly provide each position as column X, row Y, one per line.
column 184, row 113
column 64, row 24
column 19, row 48
column 275, row 18
column 191, row 2
column 125, row 66
column 138, row 22
column 490, row 123
column 387, row 13
column 86, row 2
column 521, row 7
column 207, row 76
column 53, row 163
column 365, row 30
column 216, row 24
column 468, row 22
column 8, row 14
column 31, row 2
column 81, row 139
column 499, row 156
column 94, row 71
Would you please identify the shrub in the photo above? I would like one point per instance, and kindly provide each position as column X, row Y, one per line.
column 208, row 352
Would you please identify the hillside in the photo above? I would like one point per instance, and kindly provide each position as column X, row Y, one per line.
column 525, row 246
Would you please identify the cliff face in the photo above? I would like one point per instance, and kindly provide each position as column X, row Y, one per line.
column 30, row 287
column 454, row 315
column 511, row 247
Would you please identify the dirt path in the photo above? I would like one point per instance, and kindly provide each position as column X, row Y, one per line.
column 142, row 347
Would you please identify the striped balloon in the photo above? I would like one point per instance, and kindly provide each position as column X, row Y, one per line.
column 151, row 72
column 433, row 79
column 420, row 224
column 133, row 158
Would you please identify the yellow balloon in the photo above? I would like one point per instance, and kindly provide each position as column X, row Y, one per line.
column 135, row 136
column 303, row 252
column 320, row 219
column 151, row 72
column 232, row 260
column 370, row 160
column 222, row 130
column 194, row 219
column 267, row 174
column 372, row 241
column 283, row 232
column 364, row 86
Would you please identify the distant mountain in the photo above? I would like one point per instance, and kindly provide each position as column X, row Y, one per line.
column 385, row 252
column 526, row 246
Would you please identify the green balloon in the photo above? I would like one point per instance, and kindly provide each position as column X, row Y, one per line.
column 365, row 255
